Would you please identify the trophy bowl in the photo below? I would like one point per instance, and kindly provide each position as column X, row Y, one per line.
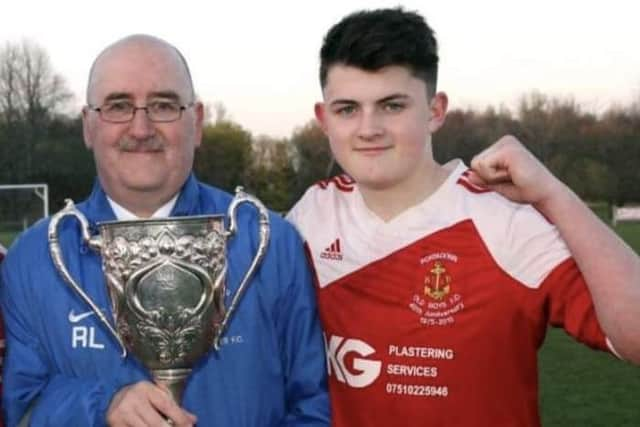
column 166, row 282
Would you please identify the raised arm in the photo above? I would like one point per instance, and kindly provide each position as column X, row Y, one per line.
column 610, row 267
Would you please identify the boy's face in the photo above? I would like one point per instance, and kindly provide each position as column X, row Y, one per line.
column 379, row 124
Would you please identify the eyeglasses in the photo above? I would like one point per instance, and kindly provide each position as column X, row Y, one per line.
column 124, row 111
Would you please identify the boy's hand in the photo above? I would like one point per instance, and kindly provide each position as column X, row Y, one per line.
column 508, row 168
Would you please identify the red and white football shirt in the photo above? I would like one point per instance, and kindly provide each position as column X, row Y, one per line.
column 436, row 317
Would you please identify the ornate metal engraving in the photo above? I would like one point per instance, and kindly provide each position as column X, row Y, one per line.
column 166, row 280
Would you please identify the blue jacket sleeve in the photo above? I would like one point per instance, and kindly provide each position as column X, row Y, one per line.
column 302, row 345
column 29, row 380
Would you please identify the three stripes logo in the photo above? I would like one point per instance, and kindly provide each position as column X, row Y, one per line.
column 333, row 251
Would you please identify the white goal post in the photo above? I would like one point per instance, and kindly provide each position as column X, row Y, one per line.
column 40, row 190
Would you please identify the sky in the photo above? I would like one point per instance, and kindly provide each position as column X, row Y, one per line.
column 260, row 58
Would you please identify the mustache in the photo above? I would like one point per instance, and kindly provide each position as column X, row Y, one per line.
column 149, row 144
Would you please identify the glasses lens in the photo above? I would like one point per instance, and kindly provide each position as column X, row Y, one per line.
column 163, row 111
column 117, row 111
column 156, row 111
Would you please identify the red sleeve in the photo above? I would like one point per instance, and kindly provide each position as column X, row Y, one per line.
column 571, row 307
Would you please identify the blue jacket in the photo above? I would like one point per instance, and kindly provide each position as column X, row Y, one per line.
column 270, row 370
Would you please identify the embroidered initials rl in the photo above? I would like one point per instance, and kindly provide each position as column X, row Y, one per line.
column 84, row 337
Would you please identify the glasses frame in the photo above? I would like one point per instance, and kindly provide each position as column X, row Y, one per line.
column 100, row 112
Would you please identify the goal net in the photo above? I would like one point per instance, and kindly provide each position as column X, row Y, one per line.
column 20, row 206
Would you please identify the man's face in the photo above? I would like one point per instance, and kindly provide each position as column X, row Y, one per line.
column 379, row 124
column 141, row 156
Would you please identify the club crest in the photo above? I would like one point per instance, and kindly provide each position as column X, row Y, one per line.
column 436, row 300
column 437, row 284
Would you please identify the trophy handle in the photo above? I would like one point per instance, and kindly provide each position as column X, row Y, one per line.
column 242, row 197
column 58, row 260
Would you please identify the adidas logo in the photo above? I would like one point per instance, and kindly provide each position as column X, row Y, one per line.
column 333, row 251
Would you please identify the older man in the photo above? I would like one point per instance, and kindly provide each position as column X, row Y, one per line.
column 143, row 124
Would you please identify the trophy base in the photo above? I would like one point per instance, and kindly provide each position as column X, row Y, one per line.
column 173, row 379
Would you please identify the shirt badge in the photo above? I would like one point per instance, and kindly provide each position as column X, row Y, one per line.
column 436, row 299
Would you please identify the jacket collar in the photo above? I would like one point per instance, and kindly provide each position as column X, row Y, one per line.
column 188, row 202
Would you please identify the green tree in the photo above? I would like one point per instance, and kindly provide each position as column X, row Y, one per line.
column 458, row 137
column 312, row 159
column 272, row 176
column 32, row 95
column 66, row 165
column 224, row 156
column 619, row 144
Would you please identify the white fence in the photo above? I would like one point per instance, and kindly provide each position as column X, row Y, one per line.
column 625, row 213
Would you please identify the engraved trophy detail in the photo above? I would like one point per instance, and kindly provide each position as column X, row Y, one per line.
column 166, row 282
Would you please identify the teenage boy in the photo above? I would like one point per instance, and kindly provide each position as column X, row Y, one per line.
column 436, row 283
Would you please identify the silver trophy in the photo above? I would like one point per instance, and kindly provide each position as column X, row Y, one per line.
column 166, row 280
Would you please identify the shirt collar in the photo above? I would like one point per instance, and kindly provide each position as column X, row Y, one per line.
column 123, row 214
column 98, row 208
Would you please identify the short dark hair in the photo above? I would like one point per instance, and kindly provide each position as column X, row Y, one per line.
column 373, row 39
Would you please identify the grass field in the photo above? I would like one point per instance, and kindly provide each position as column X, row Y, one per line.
column 6, row 238
column 579, row 387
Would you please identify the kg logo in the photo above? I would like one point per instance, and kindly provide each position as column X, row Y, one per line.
column 360, row 372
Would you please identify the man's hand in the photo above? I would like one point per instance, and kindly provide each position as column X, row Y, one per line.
column 144, row 404
column 508, row 168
